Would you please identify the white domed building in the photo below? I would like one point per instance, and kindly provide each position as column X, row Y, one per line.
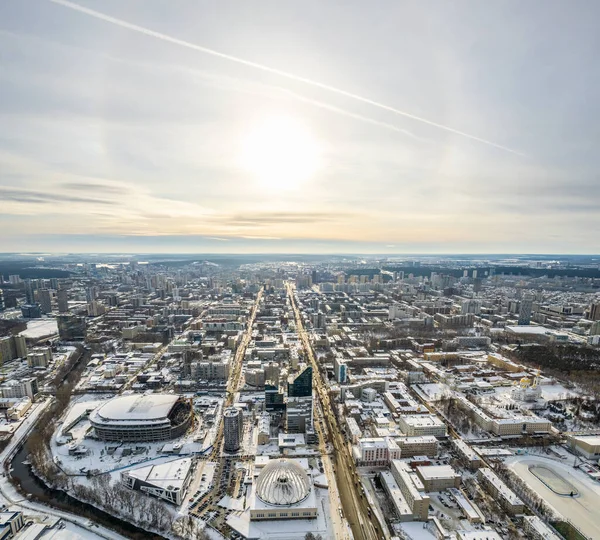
column 283, row 490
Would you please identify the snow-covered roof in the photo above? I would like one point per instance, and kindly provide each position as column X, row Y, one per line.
column 136, row 407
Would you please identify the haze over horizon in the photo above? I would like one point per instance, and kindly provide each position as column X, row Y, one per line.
column 300, row 128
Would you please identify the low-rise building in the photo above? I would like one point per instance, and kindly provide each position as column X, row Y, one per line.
column 536, row 529
column 466, row 454
column 500, row 491
column 585, row 445
column 415, row 425
column 412, row 490
column 438, row 477
column 376, row 451
column 425, row 445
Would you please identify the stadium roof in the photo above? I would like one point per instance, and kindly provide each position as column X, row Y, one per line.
column 138, row 407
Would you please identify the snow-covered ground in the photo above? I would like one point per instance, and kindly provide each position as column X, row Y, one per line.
column 11, row 498
column 38, row 328
column 582, row 510
column 112, row 457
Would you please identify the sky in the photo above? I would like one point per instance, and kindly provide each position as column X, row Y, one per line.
column 316, row 126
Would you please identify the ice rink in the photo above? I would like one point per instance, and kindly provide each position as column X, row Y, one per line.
column 581, row 510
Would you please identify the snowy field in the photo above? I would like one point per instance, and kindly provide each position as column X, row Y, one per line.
column 38, row 328
column 582, row 510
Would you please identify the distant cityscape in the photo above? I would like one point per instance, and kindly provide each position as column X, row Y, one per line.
column 300, row 397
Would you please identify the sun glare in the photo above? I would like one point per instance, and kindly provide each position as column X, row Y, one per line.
column 280, row 152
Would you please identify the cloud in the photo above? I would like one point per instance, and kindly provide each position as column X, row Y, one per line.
column 278, row 72
column 97, row 187
column 270, row 218
column 40, row 197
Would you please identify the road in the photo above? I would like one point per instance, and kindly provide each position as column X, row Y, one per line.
column 357, row 510
column 232, row 387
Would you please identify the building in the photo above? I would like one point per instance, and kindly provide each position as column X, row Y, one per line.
column 264, row 428
column 71, row 327
column 39, row 357
column 299, row 414
column 233, row 426
column 393, row 491
column 20, row 388
column 471, row 306
column 594, row 312
column 45, row 300
column 10, row 524
column 283, row 490
column 167, row 481
column 31, row 311
column 274, row 399
column 62, row 298
column 487, row 533
column 412, row 490
column 20, row 346
column 438, row 477
column 466, row 454
column 12, row 347
column 416, row 425
column 95, row 309
column 301, row 385
column 340, row 369
column 536, row 529
column 525, row 310
column 376, row 451
column 425, row 445
column 142, row 418
column 7, row 349
column 585, row 445
column 500, row 491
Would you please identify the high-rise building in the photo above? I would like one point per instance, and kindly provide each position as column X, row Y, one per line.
column 71, row 327
column 299, row 414
column 91, row 294
column 95, row 309
column 21, row 388
column 340, row 369
column 595, row 329
column 20, row 346
column 31, row 311
column 273, row 397
column 7, row 349
column 2, row 305
column 525, row 310
column 301, row 385
column 14, row 279
column 471, row 306
column 62, row 297
column 45, row 299
column 30, row 287
column 233, row 429
column 595, row 312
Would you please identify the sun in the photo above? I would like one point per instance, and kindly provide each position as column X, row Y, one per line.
column 280, row 152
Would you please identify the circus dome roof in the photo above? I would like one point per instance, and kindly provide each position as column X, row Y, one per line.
column 282, row 482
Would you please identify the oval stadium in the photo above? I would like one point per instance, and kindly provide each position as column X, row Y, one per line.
column 142, row 418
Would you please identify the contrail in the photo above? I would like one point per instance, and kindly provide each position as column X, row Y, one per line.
column 280, row 73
